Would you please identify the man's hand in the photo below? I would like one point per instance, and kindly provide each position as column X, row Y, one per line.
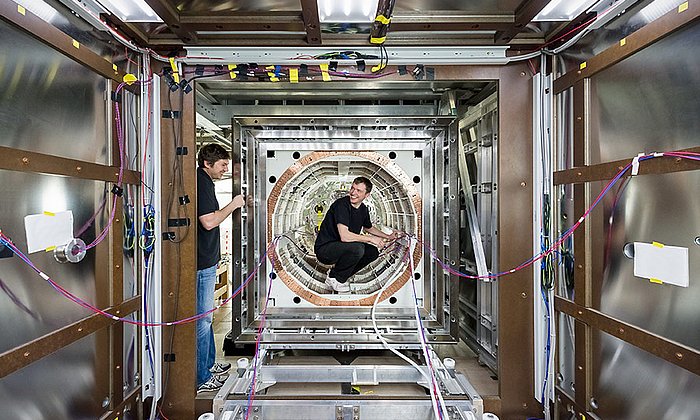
column 376, row 241
column 238, row 201
column 396, row 235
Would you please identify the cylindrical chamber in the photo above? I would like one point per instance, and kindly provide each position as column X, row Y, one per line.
column 299, row 200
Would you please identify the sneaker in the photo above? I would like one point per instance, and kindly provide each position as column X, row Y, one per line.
column 220, row 368
column 337, row 286
column 212, row 385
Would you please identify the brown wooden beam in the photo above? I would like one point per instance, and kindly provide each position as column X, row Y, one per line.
column 678, row 354
column 268, row 21
column 523, row 15
column 179, row 257
column 32, row 25
column 28, row 353
column 171, row 17
column 640, row 39
column 608, row 170
column 25, row 161
column 312, row 23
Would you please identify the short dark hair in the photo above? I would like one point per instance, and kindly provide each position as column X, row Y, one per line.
column 363, row 180
column 212, row 153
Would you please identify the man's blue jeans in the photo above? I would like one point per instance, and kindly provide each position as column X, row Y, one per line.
column 206, row 350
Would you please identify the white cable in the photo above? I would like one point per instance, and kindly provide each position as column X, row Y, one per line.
column 426, row 351
column 396, row 352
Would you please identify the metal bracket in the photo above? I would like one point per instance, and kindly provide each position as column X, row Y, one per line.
column 173, row 115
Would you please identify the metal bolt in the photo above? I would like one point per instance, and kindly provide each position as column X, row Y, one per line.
column 523, row 295
column 105, row 402
column 256, row 409
column 25, row 160
column 697, row 240
column 78, row 168
column 679, row 355
column 26, row 354
column 621, row 330
column 594, row 403
column 523, row 184
column 580, row 368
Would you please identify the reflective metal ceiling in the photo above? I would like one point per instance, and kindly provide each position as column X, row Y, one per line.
column 296, row 23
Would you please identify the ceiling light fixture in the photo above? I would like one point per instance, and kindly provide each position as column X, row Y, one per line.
column 131, row 10
column 563, row 10
column 358, row 11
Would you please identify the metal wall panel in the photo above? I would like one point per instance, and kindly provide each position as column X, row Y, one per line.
column 48, row 102
column 662, row 208
column 59, row 387
column 648, row 102
column 636, row 16
column 37, row 308
column 633, row 384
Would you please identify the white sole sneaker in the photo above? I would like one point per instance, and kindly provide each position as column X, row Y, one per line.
column 337, row 286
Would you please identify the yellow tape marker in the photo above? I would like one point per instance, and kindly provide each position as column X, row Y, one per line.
column 272, row 76
column 176, row 74
column 623, row 41
column 232, row 73
column 377, row 40
column 382, row 19
column 683, row 7
column 51, row 248
column 657, row 281
column 324, row 72
column 116, row 69
column 76, row 44
column 21, row 10
column 582, row 66
column 294, row 75
column 48, row 213
column 657, row 244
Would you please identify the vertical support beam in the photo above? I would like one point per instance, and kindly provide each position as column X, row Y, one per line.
column 453, row 211
column 438, row 243
column 582, row 271
column 312, row 23
column 116, row 240
column 236, row 248
column 179, row 257
column 514, row 291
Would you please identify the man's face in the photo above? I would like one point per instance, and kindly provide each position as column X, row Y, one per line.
column 216, row 170
column 358, row 192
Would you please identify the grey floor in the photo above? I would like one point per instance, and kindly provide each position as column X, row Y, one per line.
column 483, row 380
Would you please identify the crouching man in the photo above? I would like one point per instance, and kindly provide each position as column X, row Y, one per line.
column 339, row 242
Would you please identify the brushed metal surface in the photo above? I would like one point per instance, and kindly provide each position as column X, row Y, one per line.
column 633, row 384
column 661, row 208
column 66, row 381
column 42, row 309
column 648, row 102
column 49, row 103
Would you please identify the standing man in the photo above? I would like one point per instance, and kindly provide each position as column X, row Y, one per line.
column 339, row 241
column 213, row 162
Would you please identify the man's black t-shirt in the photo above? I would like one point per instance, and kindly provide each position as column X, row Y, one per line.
column 208, row 241
column 342, row 212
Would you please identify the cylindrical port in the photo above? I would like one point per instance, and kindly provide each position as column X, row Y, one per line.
column 74, row 251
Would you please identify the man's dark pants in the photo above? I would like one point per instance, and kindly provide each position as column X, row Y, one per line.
column 347, row 258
